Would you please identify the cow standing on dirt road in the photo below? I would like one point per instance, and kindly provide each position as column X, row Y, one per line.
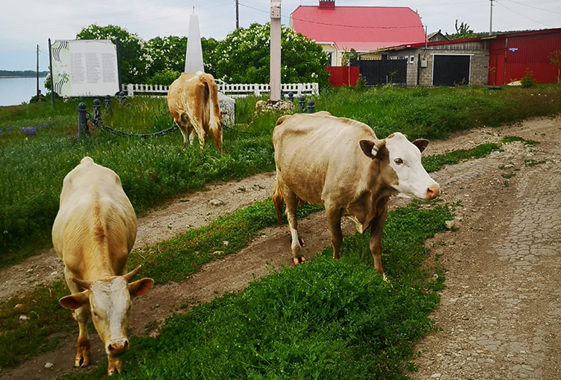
column 93, row 232
column 341, row 164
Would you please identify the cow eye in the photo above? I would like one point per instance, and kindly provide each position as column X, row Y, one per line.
column 398, row 161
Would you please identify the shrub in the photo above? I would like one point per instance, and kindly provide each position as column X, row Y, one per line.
column 528, row 80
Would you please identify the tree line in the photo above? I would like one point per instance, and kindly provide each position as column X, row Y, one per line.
column 242, row 57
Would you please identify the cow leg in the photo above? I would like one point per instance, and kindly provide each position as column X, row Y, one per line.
column 200, row 134
column 80, row 315
column 376, row 228
column 114, row 364
column 334, row 215
column 83, row 357
column 291, row 205
column 192, row 136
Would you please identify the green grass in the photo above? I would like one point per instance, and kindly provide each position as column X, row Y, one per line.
column 176, row 259
column 151, row 171
column 172, row 260
column 155, row 169
column 326, row 319
column 437, row 113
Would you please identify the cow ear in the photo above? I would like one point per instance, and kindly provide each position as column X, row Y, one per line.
column 366, row 146
column 374, row 149
column 76, row 300
column 140, row 287
column 421, row 144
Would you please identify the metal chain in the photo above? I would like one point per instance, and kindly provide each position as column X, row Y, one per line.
column 99, row 124
column 232, row 129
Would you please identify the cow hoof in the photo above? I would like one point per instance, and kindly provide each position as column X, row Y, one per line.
column 298, row 260
column 82, row 360
column 301, row 241
column 113, row 366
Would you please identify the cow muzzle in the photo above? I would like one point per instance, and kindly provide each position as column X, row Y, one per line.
column 117, row 347
column 433, row 192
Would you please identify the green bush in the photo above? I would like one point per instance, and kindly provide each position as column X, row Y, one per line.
column 528, row 80
column 164, row 78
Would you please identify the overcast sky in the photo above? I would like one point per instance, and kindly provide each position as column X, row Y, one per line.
column 24, row 24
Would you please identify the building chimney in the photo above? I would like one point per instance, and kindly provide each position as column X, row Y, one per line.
column 327, row 4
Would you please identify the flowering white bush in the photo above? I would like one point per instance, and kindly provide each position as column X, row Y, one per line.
column 242, row 57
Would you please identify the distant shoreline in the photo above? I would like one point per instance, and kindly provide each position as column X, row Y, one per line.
column 22, row 74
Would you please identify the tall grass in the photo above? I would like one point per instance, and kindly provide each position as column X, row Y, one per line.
column 152, row 170
column 437, row 113
column 327, row 319
column 176, row 259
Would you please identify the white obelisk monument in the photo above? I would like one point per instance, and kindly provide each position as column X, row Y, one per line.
column 194, row 53
column 275, row 71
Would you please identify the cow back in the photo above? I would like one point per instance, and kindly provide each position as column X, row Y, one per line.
column 95, row 227
column 319, row 155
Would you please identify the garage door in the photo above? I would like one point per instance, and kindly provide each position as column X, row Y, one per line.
column 451, row 70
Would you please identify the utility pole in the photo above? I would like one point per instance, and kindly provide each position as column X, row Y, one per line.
column 237, row 15
column 38, row 91
column 491, row 18
column 275, row 47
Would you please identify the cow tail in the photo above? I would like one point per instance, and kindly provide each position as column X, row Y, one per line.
column 215, row 127
column 278, row 201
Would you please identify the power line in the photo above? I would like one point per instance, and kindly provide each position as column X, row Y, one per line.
column 520, row 14
column 531, row 6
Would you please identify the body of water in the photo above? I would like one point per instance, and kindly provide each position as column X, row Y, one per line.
column 14, row 91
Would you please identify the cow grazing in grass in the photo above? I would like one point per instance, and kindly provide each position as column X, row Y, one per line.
column 341, row 164
column 93, row 232
column 193, row 103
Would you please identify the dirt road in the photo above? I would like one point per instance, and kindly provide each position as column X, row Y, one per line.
column 500, row 311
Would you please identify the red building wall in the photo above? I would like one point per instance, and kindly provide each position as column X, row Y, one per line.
column 343, row 75
column 511, row 56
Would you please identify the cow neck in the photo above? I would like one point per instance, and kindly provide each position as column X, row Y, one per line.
column 379, row 190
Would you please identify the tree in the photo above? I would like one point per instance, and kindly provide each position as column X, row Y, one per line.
column 166, row 54
column 133, row 60
column 245, row 56
column 462, row 31
column 555, row 60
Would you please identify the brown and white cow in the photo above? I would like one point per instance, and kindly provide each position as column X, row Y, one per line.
column 341, row 164
column 193, row 103
column 93, row 232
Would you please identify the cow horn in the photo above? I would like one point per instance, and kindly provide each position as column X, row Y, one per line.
column 81, row 283
column 129, row 276
column 377, row 146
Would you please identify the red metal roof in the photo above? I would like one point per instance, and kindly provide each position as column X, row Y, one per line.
column 359, row 28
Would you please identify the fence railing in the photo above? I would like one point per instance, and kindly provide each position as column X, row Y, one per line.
column 233, row 90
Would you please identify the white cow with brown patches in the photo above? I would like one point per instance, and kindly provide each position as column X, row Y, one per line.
column 93, row 232
column 341, row 164
column 193, row 104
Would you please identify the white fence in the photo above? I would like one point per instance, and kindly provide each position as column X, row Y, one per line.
column 232, row 90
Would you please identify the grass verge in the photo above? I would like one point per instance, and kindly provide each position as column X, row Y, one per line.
column 326, row 319
column 38, row 146
column 172, row 260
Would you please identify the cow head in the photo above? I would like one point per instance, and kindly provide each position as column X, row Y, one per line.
column 110, row 303
column 404, row 159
